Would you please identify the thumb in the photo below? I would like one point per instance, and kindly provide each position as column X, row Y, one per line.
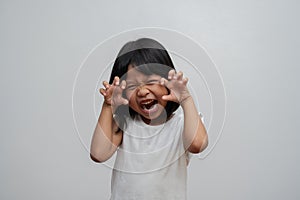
column 125, row 102
column 167, row 97
column 164, row 82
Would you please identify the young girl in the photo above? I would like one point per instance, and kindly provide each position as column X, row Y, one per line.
column 138, row 120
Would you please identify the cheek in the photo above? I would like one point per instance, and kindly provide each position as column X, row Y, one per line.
column 163, row 91
column 131, row 97
column 128, row 95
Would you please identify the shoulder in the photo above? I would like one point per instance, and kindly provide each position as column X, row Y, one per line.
column 179, row 115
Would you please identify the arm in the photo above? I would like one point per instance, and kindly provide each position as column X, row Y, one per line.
column 195, row 138
column 106, row 139
column 194, row 132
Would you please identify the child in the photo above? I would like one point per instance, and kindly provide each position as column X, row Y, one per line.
column 138, row 120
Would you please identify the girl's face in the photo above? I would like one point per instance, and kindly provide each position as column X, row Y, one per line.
column 144, row 93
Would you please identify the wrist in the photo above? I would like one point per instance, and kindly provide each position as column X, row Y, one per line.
column 106, row 104
column 185, row 99
column 110, row 107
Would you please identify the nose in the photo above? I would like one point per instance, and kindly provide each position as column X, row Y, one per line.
column 142, row 91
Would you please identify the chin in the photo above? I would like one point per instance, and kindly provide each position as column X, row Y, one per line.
column 155, row 118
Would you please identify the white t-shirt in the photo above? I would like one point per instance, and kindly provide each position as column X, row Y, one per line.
column 151, row 162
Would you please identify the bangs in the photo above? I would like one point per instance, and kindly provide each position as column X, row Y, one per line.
column 152, row 61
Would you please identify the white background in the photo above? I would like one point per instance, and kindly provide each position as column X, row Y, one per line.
column 254, row 43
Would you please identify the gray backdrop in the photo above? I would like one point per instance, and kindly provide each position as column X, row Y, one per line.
column 254, row 43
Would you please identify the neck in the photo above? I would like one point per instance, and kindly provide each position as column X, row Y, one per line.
column 157, row 121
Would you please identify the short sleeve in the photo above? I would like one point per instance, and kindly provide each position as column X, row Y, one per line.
column 201, row 117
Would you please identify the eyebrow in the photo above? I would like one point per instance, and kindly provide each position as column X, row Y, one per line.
column 130, row 81
column 151, row 76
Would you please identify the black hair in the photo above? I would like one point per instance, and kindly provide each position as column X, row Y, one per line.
column 153, row 58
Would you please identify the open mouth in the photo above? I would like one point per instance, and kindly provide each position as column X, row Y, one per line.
column 149, row 105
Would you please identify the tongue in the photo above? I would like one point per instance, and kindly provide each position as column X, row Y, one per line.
column 149, row 106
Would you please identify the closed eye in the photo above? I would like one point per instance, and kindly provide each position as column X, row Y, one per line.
column 153, row 81
column 131, row 87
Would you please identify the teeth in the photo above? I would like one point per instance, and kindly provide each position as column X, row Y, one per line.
column 147, row 104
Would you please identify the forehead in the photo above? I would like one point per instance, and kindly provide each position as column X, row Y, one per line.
column 133, row 74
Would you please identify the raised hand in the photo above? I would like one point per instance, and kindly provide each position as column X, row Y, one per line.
column 176, row 83
column 113, row 93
